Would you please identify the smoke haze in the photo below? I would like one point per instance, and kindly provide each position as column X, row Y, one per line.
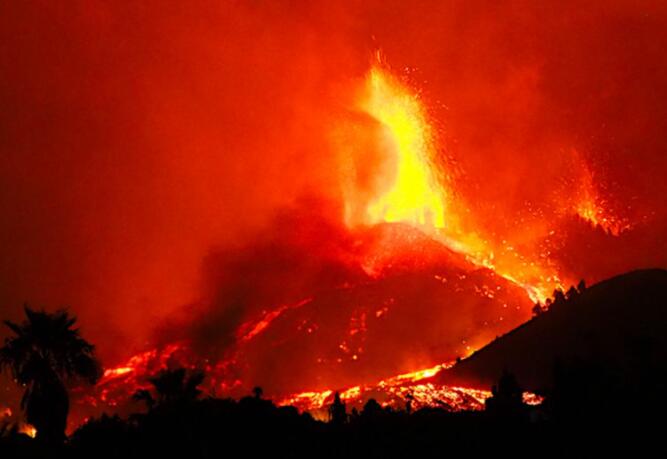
column 148, row 149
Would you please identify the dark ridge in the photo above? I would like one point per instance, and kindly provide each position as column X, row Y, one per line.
column 620, row 323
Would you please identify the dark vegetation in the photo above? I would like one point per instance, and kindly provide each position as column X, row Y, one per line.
column 604, row 389
column 43, row 355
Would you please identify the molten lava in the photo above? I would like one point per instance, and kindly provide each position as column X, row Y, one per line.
column 591, row 208
column 412, row 193
column 412, row 189
column 416, row 388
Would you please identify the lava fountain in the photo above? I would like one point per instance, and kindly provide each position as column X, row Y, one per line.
column 414, row 190
column 413, row 194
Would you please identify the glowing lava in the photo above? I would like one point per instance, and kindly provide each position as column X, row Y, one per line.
column 410, row 188
column 395, row 392
column 414, row 196
column 590, row 207
column 28, row 429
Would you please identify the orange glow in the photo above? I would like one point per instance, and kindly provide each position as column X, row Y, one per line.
column 196, row 183
column 395, row 391
column 249, row 330
column 28, row 430
column 590, row 207
column 413, row 194
column 351, row 393
column 532, row 399
column 310, row 399
column 113, row 372
column 119, row 383
column 414, row 376
column 412, row 189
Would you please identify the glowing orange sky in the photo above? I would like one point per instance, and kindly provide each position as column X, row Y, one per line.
column 135, row 140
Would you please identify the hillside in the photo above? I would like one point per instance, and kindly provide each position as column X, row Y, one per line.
column 620, row 323
column 419, row 305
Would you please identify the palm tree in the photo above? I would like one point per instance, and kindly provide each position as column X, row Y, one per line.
column 44, row 354
column 172, row 386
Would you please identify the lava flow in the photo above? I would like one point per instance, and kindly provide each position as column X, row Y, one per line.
column 418, row 388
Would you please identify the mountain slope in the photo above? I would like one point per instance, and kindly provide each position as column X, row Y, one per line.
column 420, row 305
column 620, row 323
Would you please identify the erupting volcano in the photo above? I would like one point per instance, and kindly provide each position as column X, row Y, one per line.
column 398, row 286
column 329, row 200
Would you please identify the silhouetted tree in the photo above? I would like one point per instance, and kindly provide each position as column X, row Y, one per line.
column 537, row 309
column 408, row 403
column 581, row 286
column 172, row 386
column 44, row 353
column 257, row 392
column 105, row 435
column 337, row 412
column 559, row 296
column 507, row 397
column 372, row 409
column 144, row 395
column 571, row 293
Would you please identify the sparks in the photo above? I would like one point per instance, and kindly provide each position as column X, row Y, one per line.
column 412, row 194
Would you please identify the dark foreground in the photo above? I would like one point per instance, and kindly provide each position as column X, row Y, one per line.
column 253, row 427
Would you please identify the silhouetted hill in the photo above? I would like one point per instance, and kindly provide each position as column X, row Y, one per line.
column 619, row 324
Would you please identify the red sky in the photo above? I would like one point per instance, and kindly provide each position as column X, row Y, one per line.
column 136, row 138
